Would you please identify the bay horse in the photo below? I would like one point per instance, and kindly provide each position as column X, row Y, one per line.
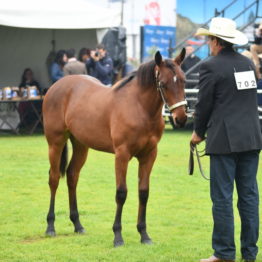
column 125, row 120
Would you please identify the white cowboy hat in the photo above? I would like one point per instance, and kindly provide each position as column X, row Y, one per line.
column 225, row 29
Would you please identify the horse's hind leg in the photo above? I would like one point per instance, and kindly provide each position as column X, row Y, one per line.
column 56, row 152
column 145, row 166
column 73, row 170
column 121, row 161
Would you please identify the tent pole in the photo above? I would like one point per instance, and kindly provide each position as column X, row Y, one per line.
column 122, row 12
column 53, row 41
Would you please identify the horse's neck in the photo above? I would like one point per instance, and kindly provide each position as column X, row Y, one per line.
column 150, row 100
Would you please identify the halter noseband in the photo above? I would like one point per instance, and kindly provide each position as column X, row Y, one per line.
column 160, row 88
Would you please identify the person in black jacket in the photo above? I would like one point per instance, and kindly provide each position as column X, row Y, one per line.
column 226, row 111
column 190, row 60
column 190, row 63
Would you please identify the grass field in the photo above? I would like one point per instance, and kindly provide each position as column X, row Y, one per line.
column 179, row 209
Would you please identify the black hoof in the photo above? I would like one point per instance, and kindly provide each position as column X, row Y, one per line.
column 118, row 243
column 146, row 241
column 80, row 231
column 50, row 233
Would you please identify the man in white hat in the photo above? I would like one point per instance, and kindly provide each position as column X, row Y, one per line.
column 256, row 49
column 227, row 112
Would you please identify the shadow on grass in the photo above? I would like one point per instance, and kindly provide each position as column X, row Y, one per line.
column 38, row 238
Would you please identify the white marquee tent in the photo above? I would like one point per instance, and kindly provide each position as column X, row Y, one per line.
column 30, row 29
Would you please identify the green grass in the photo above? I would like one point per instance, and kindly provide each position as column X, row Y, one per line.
column 179, row 209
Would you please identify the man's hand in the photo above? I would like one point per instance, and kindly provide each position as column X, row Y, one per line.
column 93, row 56
column 195, row 139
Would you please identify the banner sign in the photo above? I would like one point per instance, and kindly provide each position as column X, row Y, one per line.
column 156, row 38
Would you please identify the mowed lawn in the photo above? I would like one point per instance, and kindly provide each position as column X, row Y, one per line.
column 179, row 216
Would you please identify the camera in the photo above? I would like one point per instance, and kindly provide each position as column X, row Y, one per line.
column 96, row 53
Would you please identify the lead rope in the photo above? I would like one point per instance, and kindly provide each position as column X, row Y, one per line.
column 191, row 160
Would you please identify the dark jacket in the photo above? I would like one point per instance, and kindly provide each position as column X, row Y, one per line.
column 228, row 115
column 102, row 69
column 189, row 62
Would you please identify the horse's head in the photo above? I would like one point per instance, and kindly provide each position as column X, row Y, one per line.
column 171, row 84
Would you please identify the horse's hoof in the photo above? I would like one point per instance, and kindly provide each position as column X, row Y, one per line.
column 80, row 231
column 50, row 233
column 146, row 241
column 118, row 243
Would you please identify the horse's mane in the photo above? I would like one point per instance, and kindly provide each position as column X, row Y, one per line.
column 126, row 80
column 145, row 75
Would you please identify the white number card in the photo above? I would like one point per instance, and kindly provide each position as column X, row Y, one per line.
column 245, row 80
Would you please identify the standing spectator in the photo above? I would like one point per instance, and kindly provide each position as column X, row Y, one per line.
column 73, row 66
column 100, row 65
column 58, row 65
column 256, row 49
column 83, row 54
column 227, row 111
column 190, row 60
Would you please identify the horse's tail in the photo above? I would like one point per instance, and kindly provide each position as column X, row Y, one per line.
column 63, row 161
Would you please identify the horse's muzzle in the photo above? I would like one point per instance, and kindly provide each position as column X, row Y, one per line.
column 180, row 122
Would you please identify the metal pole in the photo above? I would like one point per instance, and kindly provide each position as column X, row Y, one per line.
column 122, row 13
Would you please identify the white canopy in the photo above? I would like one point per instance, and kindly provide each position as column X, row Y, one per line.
column 31, row 29
column 57, row 14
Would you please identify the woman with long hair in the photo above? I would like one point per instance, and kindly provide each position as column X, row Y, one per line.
column 56, row 70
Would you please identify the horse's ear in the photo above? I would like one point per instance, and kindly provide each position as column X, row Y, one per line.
column 158, row 58
column 179, row 59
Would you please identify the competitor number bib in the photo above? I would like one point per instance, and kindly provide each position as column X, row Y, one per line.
column 245, row 80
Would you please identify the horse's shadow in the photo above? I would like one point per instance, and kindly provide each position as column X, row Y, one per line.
column 38, row 238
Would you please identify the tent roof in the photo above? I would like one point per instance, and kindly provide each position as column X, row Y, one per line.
column 57, row 14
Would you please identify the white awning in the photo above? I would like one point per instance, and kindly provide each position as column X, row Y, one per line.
column 57, row 14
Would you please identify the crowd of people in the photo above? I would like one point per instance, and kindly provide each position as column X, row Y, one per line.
column 96, row 63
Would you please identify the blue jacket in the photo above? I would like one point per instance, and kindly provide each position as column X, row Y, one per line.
column 56, row 72
column 102, row 69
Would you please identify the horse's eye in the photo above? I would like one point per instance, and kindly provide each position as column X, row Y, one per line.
column 174, row 78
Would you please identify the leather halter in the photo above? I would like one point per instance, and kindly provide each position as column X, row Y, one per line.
column 160, row 88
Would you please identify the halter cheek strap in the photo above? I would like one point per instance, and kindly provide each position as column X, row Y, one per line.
column 160, row 89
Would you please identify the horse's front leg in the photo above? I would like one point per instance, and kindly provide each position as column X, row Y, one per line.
column 121, row 162
column 146, row 162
